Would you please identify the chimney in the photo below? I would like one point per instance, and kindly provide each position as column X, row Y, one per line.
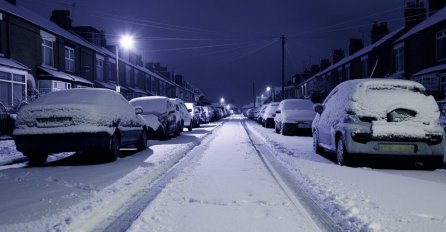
column 435, row 5
column 414, row 12
column 325, row 63
column 338, row 54
column 13, row 2
column 315, row 69
column 379, row 30
column 61, row 18
column 355, row 45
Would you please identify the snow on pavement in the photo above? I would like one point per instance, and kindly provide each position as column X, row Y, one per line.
column 363, row 199
column 78, row 194
column 227, row 189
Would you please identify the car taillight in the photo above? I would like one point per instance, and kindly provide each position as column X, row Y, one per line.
column 434, row 139
column 361, row 137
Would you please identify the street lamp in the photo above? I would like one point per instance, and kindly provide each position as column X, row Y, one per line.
column 268, row 89
column 222, row 100
column 127, row 42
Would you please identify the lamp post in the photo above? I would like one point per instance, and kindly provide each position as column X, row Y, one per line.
column 268, row 89
column 126, row 41
column 261, row 98
column 222, row 101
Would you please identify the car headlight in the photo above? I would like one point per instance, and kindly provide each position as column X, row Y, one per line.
column 361, row 137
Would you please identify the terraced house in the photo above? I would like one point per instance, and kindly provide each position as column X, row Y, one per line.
column 416, row 51
column 40, row 55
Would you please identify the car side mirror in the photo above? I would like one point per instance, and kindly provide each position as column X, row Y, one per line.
column 278, row 111
column 138, row 110
column 319, row 108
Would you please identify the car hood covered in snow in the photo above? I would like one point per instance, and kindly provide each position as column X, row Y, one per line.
column 395, row 108
column 74, row 111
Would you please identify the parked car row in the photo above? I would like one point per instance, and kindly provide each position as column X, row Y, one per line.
column 98, row 120
column 366, row 118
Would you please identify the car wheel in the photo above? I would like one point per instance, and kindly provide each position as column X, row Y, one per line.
column 189, row 128
column 166, row 134
column 142, row 144
column 177, row 131
column 316, row 148
column 432, row 164
column 341, row 153
column 277, row 129
column 282, row 131
column 113, row 150
column 36, row 159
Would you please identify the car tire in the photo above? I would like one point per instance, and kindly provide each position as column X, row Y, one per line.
column 342, row 156
column 277, row 129
column 189, row 128
column 166, row 131
column 316, row 148
column 113, row 150
column 282, row 131
column 432, row 164
column 36, row 159
column 178, row 128
column 142, row 144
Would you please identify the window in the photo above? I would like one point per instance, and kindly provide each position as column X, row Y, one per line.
column 399, row 57
column 46, row 86
column 135, row 78
column 99, row 68
column 47, row 49
column 441, row 45
column 127, row 75
column 365, row 66
column 12, row 88
column 111, row 74
column 347, row 72
column 69, row 59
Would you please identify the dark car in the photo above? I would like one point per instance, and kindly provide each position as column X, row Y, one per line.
column 77, row 120
column 161, row 114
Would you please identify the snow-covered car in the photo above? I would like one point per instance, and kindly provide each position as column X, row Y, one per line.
column 186, row 118
column 209, row 112
column 162, row 112
column 195, row 113
column 259, row 115
column 294, row 115
column 269, row 114
column 77, row 120
column 203, row 117
column 379, row 117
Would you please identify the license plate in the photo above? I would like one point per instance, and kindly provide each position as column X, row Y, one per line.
column 304, row 125
column 403, row 148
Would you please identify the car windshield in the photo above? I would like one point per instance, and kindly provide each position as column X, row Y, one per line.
column 151, row 105
column 298, row 105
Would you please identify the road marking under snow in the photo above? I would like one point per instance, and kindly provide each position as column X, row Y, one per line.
column 226, row 188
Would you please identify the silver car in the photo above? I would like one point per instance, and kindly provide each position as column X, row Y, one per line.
column 294, row 115
column 377, row 118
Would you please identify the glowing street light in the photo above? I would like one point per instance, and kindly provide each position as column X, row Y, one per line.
column 268, row 89
column 222, row 100
column 126, row 42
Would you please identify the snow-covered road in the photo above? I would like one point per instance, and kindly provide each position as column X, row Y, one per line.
column 223, row 182
column 227, row 189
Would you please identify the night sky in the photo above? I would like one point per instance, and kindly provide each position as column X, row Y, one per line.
column 223, row 46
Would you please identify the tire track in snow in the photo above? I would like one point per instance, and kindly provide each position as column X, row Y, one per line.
column 290, row 186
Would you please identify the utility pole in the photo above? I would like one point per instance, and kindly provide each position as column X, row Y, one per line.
column 283, row 66
column 253, row 94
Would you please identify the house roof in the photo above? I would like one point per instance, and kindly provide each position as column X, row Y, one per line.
column 359, row 53
column 51, row 27
column 434, row 19
column 431, row 70
column 11, row 63
column 66, row 76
